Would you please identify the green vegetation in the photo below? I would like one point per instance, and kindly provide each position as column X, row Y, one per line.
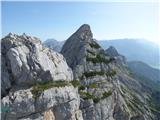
column 98, row 59
column 39, row 88
column 93, row 86
column 106, row 94
column 95, row 45
column 94, row 73
column 87, row 96
column 91, row 52
column 112, row 73
column 96, row 100
column 81, row 88
column 75, row 83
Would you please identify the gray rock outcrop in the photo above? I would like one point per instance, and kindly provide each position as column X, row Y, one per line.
column 107, row 90
column 29, row 62
column 112, row 52
column 36, row 82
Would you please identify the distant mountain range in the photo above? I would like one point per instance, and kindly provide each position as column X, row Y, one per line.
column 132, row 49
column 136, row 50
column 54, row 44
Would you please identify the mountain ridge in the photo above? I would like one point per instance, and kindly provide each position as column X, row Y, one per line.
column 91, row 65
column 82, row 82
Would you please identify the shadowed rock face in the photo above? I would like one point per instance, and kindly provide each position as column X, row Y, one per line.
column 108, row 91
column 28, row 71
column 74, row 48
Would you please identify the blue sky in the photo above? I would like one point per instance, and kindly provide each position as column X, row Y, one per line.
column 110, row 20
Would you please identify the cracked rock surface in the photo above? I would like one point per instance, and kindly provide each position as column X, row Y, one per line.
column 26, row 63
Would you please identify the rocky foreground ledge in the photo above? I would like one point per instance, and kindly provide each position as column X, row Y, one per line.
column 36, row 81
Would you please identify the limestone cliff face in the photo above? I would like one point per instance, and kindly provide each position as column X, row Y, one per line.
column 107, row 90
column 36, row 82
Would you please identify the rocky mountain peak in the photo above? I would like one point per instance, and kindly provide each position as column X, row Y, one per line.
column 85, row 30
column 29, row 62
column 103, row 77
column 111, row 51
column 76, row 45
column 37, row 81
column 84, row 33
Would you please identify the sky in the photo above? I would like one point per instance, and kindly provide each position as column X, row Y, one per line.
column 58, row 20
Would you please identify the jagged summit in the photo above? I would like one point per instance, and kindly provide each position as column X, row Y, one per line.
column 22, row 37
column 106, row 86
column 83, row 33
column 74, row 49
column 85, row 28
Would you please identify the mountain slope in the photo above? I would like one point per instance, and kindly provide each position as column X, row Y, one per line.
column 145, row 70
column 149, row 78
column 106, row 88
column 136, row 50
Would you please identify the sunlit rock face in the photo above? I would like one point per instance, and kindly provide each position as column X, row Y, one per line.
column 29, row 62
column 36, row 82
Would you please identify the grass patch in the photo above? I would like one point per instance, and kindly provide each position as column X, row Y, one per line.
column 94, row 73
column 86, row 95
column 39, row 88
column 99, row 59
column 81, row 88
column 75, row 83
column 93, row 86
